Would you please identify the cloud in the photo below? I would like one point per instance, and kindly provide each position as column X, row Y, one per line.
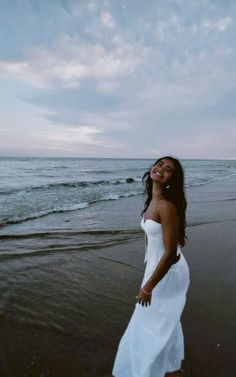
column 70, row 62
column 107, row 20
column 139, row 77
column 219, row 25
column 74, row 140
column 70, row 135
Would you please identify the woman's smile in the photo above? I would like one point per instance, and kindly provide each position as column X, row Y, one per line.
column 162, row 170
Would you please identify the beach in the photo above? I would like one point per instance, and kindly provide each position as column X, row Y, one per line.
column 107, row 301
column 63, row 313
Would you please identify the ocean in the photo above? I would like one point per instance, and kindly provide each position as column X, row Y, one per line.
column 66, row 204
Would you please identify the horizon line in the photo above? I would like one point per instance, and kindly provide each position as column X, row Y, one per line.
column 117, row 158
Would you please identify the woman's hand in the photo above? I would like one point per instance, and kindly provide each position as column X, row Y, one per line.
column 144, row 298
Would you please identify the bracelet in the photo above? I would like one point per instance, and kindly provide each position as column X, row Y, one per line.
column 147, row 293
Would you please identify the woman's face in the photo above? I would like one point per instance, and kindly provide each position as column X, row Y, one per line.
column 162, row 171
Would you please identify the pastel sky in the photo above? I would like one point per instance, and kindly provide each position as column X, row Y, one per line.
column 118, row 78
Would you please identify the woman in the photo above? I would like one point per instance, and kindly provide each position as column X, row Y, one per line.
column 152, row 344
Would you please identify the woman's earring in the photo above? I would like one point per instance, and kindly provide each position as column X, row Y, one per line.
column 168, row 186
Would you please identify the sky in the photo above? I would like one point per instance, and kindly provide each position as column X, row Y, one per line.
column 118, row 78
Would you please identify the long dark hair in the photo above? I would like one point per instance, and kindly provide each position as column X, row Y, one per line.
column 175, row 194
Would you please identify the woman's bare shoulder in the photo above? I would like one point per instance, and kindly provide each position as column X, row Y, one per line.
column 167, row 208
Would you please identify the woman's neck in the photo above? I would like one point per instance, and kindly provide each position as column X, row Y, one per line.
column 157, row 192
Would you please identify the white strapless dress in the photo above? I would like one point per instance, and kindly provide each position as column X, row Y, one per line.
column 153, row 342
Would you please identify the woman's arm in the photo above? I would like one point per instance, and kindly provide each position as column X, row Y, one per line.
column 170, row 228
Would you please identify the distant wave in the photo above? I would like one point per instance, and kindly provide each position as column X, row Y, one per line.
column 56, row 185
column 209, row 181
column 113, row 181
column 112, row 171
column 202, row 200
column 193, row 223
column 65, row 208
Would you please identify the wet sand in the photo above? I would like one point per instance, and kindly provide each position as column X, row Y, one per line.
column 106, row 299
